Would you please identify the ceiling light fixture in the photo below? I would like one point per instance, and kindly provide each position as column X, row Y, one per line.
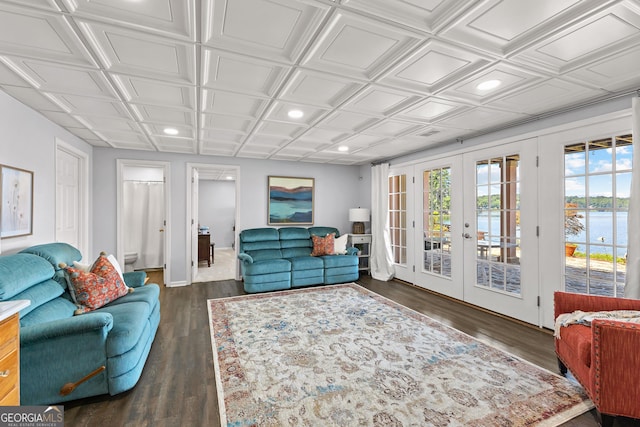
column 295, row 114
column 171, row 131
column 343, row 148
column 489, row 84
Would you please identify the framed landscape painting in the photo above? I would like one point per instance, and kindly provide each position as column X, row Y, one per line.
column 290, row 200
column 17, row 202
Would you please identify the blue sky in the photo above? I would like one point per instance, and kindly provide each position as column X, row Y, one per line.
column 600, row 166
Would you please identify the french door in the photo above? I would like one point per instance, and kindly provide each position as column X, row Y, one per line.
column 500, row 230
column 473, row 221
column 438, row 226
column 401, row 222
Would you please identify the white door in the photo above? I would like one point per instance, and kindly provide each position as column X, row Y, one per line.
column 499, row 229
column 71, row 197
column 401, row 222
column 437, row 250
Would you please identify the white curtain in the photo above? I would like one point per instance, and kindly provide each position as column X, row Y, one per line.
column 632, row 278
column 143, row 220
column 381, row 257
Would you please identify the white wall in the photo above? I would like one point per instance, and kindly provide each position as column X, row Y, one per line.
column 28, row 142
column 337, row 190
column 217, row 210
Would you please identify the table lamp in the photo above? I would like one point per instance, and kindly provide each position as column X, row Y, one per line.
column 358, row 216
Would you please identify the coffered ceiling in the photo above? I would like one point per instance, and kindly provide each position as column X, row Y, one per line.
column 373, row 79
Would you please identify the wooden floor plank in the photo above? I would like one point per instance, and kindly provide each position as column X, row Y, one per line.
column 177, row 387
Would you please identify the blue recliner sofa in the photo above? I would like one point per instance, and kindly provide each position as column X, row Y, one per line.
column 58, row 347
column 277, row 259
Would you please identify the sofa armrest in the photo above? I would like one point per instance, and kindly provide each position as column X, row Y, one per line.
column 63, row 351
column 92, row 323
column 567, row 302
column 134, row 279
column 616, row 360
column 352, row 251
column 245, row 258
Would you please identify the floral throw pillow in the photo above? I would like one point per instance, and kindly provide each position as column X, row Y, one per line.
column 97, row 287
column 323, row 245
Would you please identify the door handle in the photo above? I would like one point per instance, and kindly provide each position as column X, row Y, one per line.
column 466, row 235
column 162, row 230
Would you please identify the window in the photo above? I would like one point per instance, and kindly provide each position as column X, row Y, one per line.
column 597, row 187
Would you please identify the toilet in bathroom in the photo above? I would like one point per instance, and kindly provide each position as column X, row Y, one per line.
column 130, row 258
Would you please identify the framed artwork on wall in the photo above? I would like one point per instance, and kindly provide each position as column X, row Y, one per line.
column 16, row 211
column 290, row 200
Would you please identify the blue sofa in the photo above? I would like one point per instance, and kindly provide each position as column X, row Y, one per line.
column 58, row 347
column 276, row 259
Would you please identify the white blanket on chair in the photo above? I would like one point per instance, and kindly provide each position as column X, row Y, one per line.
column 585, row 318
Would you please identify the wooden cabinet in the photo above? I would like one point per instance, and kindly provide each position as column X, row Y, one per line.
column 10, row 361
column 204, row 248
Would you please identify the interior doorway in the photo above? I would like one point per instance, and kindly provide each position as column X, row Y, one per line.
column 213, row 221
column 143, row 210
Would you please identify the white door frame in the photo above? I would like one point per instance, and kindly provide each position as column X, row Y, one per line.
column 83, row 192
column 166, row 166
column 192, row 232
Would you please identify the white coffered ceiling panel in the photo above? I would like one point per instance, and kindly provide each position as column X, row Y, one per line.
column 617, row 29
column 378, row 78
column 381, row 101
column 550, row 93
column 434, row 66
column 481, row 118
column 232, row 123
column 421, row 14
column 40, row 34
column 321, row 89
column 511, row 78
column 173, row 17
column 358, row 48
column 61, row 78
column 241, row 73
column 8, row 76
column 146, row 91
column 432, row 109
column 34, row 99
column 141, row 54
column 239, row 25
column 176, row 145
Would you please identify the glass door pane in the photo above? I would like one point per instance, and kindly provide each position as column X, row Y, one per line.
column 398, row 218
column 436, row 202
column 497, row 224
column 597, row 184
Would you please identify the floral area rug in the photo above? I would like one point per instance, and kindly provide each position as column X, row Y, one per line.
column 344, row 356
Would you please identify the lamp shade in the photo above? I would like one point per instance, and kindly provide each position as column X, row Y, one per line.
column 359, row 215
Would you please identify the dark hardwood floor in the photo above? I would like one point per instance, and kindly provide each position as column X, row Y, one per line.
column 177, row 387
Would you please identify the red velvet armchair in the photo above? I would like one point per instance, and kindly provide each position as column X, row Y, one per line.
column 604, row 358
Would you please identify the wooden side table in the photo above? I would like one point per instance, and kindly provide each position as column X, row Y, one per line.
column 10, row 351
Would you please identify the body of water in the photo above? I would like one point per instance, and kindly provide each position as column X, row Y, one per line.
column 599, row 232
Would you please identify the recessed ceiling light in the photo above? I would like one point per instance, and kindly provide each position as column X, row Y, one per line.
column 343, row 148
column 171, row 131
column 489, row 84
column 229, row 177
column 295, row 114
